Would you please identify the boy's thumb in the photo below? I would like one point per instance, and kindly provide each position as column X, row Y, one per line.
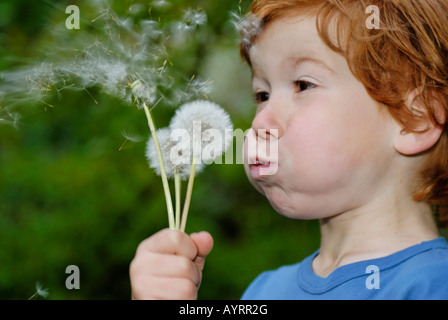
column 204, row 244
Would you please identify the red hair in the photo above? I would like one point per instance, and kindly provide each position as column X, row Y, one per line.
column 407, row 52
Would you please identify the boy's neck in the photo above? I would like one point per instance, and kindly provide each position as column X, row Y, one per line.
column 369, row 234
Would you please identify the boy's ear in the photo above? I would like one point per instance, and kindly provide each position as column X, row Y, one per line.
column 426, row 134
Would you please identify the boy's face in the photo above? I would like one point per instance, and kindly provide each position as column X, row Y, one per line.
column 335, row 146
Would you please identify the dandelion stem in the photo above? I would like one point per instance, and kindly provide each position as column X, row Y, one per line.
column 122, row 146
column 166, row 187
column 32, row 297
column 188, row 195
column 177, row 187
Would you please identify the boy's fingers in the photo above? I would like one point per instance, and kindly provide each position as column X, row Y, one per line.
column 173, row 289
column 204, row 245
column 170, row 242
column 168, row 266
column 164, row 289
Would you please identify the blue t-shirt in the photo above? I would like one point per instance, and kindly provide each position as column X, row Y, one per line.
column 416, row 273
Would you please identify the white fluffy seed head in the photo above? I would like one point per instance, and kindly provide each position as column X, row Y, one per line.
column 212, row 122
column 175, row 150
column 142, row 93
column 163, row 136
column 201, row 130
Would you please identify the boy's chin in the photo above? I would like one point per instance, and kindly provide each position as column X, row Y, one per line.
column 293, row 206
column 294, row 214
column 256, row 186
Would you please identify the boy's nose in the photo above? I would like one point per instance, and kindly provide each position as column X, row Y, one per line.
column 268, row 123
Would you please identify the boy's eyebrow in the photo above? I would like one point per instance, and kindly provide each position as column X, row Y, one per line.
column 306, row 59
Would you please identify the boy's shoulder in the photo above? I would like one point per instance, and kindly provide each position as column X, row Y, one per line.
column 419, row 272
column 274, row 284
column 429, row 259
column 424, row 275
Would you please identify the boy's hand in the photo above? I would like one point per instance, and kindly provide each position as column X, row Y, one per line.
column 169, row 265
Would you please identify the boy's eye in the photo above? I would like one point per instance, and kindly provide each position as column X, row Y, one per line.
column 262, row 97
column 304, row 85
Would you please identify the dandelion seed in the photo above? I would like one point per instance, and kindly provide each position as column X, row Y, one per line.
column 151, row 29
column 128, row 137
column 249, row 27
column 8, row 117
column 99, row 17
column 199, row 87
column 191, row 80
column 196, row 89
column 94, row 100
column 51, row 106
column 195, row 18
column 180, row 30
column 40, row 292
column 161, row 4
column 136, row 9
column 112, row 73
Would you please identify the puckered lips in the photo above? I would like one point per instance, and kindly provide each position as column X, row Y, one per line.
column 262, row 168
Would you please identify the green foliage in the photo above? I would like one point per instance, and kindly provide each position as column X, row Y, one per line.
column 75, row 191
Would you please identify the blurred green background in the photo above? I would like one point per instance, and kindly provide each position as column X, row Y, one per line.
column 75, row 191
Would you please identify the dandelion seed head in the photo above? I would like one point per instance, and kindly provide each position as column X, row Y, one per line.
column 211, row 118
column 163, row 136
column 143, row 93
column 175, row 152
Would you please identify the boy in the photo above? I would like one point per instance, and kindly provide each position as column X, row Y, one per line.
column 358, row 115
